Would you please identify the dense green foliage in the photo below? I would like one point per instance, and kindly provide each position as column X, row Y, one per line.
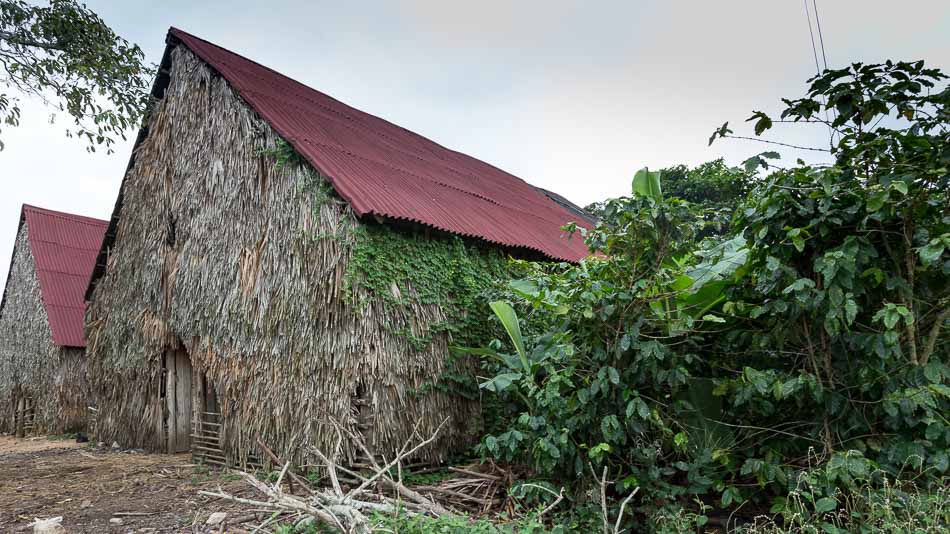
column 714, row 189
column 406, row 268
column 712, row 185
column 806, row 343
column 413, row 270
column 65, row 55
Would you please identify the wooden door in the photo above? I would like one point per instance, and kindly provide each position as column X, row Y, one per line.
column 178, row 400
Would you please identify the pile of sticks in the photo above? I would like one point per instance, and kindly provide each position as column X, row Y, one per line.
column 476, row 489
column 352, row 495
column 345, row 507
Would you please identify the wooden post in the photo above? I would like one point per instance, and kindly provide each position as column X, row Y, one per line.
column 14, row 417
column 170, row 401
column 183, row 400
column 178, row 400
column 20, row 415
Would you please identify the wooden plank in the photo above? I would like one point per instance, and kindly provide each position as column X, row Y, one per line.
column 208, row 449
column 21, row 404
column 170, row 402
column 212, row 453
column 206, row 423
column 216, row 460
column 183, row 400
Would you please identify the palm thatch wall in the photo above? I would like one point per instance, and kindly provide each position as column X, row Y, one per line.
column 244, row 263
column 53, row 378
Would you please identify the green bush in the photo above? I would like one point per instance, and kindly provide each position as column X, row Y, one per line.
column 810, row 335
column 414, row 524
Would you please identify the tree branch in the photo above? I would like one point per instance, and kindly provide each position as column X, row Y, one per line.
column 933, row 335
column 16, row 40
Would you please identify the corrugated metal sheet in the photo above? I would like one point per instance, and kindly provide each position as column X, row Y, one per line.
column 383, row 169
column 64, row 248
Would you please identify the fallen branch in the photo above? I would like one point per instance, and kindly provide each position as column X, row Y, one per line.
column 293, row 476
column 349, row 511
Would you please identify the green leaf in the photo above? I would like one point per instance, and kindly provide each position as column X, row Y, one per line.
column 940, row 461
column 931, row 252
column 799, row 243
column 613, row 375
column 890, row 319
column 524, row 288
column 509, row 319
column 713, row 318
column 681, row 283
column 647, row 184
column 906, row 314
column 763, row 122
column 876, row 202
column 722, row 131
column 850, row 311
column 636, row 405
column 933, row 372
column 680, row 440
column 597, row 451
column 825, row 504
column 799, row 285
column 899, row 186
column 779, row 505
column 500, row 382
column 729, row 496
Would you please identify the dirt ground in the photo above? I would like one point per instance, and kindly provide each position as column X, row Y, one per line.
column 88, row 487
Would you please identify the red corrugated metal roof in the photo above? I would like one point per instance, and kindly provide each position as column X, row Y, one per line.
column 383, row 169
column 64, row 248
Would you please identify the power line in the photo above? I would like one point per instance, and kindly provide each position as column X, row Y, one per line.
column 811, row 33
column 814, row 51
column 821, row 39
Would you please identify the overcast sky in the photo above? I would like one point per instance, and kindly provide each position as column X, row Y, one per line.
column 568, row 96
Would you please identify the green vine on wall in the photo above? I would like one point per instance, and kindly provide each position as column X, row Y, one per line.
column 406, row 269
column 284, row 155
column 409, row 269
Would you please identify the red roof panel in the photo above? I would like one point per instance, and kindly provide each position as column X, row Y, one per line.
column 383, row 169
column 64, row 248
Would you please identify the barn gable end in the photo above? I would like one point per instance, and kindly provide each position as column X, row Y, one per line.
column 246, row 266
column 42, row 362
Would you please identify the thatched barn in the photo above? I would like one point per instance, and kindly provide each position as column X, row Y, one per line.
column 279, row 263
column 43, row 384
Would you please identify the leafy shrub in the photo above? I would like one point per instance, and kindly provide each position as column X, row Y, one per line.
column 887, row 506
column 414, row 524
column 814, row 328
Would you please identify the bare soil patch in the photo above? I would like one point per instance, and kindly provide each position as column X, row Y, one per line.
column 9, row 445
column 88, row 487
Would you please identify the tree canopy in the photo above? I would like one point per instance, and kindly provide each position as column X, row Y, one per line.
column 66, row 56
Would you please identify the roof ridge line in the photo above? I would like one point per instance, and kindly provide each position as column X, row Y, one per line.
column 301, row 84
column 84, row 219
